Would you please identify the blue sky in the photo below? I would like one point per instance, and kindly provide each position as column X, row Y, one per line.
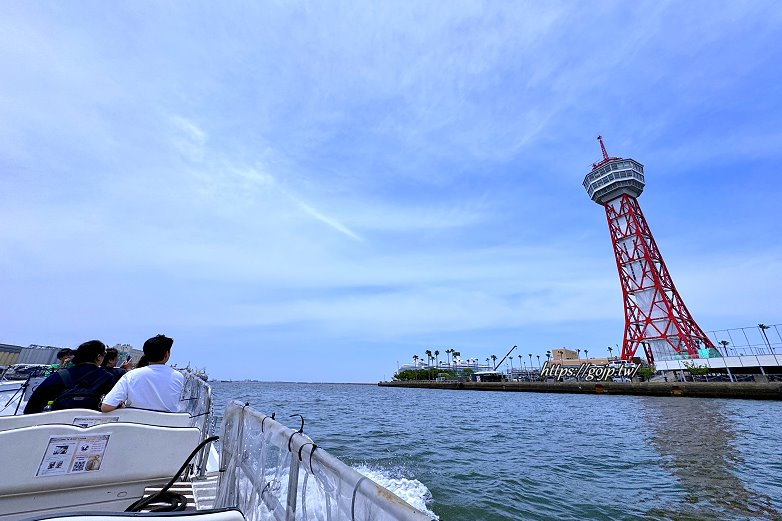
column 317, row 191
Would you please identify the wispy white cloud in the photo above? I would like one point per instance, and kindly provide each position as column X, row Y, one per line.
column 328, row 220
column 190, row 139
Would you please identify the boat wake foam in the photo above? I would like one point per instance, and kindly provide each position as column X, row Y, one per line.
column 411, row 490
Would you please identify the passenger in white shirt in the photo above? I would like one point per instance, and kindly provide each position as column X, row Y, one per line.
column 156, row 387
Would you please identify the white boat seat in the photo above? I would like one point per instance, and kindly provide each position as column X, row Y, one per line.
column 88, row 417
column 50, row 465
column 222, row 514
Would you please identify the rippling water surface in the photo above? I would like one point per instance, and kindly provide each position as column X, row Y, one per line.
column 495, row 455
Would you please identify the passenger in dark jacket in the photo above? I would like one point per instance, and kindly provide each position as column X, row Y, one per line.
column 86, row 372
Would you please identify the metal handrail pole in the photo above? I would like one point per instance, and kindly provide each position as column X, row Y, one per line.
column 293, row 489
column 205, row 433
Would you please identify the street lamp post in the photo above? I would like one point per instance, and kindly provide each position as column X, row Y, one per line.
column 743, row 330
column 724, row 344
column 763, row 328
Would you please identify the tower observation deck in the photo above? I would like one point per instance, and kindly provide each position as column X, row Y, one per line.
column 655, row 315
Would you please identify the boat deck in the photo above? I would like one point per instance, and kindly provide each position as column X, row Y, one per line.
column 200, row 492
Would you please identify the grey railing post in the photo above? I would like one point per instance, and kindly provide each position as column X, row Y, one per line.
column 206, row 431
column 293, row 488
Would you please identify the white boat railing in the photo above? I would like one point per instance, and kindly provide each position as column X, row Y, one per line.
column 272, row 472
column 196, row 399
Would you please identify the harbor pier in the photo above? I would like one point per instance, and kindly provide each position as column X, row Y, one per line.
column 745, row 390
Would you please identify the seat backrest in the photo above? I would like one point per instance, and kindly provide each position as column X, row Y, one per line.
column 64, row 467
column 88, row 418
column 161, row 419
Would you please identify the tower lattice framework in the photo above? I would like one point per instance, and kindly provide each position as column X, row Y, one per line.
column 656, row 317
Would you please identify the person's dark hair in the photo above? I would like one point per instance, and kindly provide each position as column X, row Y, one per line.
column 142, row 362
column 110, row 359
column 155, row 348
column 62, row 353
column 89, row 352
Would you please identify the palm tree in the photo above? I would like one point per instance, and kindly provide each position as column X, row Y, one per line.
column 610, row 351
column 436, row 361
column 415, row 360
column 530, row 360
column 519, row 362
column 448, row 352
column 548, row 355
column 487, row 362
column 538, row 357
column 493, row 361
column 724, row 344
column 579, row 353
column 586, row 351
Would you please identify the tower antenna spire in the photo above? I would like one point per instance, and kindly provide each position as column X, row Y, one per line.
column 602, row 146
column 606, row 158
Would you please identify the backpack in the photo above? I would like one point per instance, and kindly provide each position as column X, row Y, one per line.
column 85, row 394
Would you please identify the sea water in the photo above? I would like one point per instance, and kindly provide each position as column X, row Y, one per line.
column 493, row 455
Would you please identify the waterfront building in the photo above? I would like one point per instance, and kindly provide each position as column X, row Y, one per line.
column 563, row 353
column 9, row 354
column 457, row 365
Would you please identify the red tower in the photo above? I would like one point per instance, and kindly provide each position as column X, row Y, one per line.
column 655, row 315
